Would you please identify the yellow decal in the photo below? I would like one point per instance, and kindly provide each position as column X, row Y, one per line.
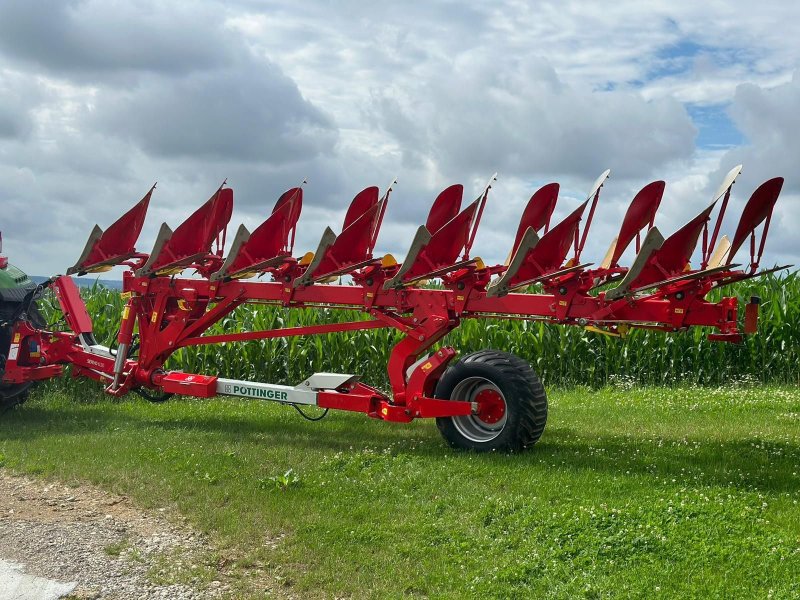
column 678, row 311
column 370, row 295
column 427, row 366
column 384, row 411
column 287, row 290
column 460, row 298
column 126, row 313
column 562, row 302
column 16, row 338
column 126, row 295
column 183, row 305
column 154, row 317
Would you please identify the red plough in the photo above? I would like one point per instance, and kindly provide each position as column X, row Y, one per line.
column 488, row 400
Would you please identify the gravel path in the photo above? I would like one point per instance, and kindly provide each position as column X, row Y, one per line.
column 102, row 542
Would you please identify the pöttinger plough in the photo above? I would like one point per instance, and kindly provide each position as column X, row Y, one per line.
column 488, row 400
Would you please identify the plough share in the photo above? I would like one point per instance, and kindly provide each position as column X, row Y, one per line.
column 489, row 400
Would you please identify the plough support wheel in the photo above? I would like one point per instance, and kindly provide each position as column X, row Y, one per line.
column 512, row 404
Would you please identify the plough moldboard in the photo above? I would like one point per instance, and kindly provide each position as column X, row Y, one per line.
column 488, row 400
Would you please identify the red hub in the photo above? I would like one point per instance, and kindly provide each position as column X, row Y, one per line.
column 491, row 406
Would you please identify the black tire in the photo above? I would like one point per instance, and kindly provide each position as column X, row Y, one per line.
column 498, row 378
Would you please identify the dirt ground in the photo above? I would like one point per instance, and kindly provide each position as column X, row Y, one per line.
column 111, row 548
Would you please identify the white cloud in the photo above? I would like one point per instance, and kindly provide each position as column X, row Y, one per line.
column 524, row 121
column 99, row 99
column 94, row 38
column 770, row 120
column 248, row 112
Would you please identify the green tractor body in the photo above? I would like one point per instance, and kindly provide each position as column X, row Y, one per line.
column 14, row 284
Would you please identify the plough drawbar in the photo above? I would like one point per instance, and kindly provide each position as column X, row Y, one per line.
column 488, row 400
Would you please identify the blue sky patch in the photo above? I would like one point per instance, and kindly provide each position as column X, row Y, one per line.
column 715, row 127
column 676, row 58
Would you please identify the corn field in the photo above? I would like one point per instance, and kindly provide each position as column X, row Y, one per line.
column 563, row 356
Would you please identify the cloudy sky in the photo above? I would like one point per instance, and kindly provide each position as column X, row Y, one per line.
column 101, row 98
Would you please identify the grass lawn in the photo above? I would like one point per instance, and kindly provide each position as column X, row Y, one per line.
column 630, row 493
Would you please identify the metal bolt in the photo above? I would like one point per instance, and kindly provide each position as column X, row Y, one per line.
column 370, row 281
column 562, row 290
column 679, row 296
column 461, row 285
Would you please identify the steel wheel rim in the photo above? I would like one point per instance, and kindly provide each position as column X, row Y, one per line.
column 472, row 427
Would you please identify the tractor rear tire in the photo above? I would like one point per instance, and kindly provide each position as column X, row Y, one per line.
column 512, row 404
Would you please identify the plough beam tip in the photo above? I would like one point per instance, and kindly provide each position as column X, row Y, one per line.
column 544, row 278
